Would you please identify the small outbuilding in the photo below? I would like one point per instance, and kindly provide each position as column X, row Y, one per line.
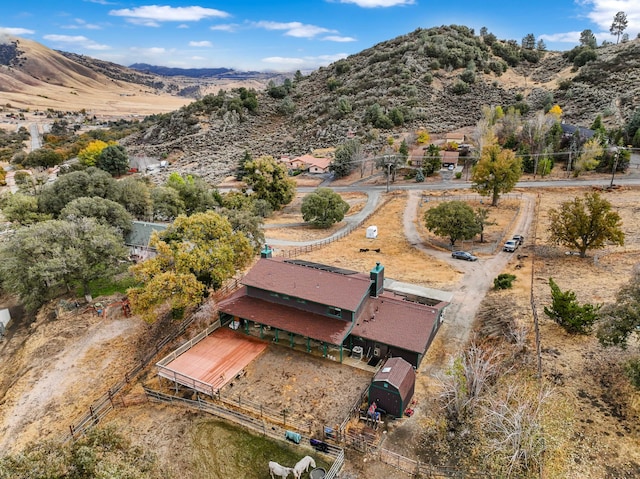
column 372, row 232
column 393, row 386
column 5, row 320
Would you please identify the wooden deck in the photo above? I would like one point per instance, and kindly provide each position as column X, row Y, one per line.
column 214, row 361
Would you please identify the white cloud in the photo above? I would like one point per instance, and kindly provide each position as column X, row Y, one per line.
column 337, row 38
column 204, row 43
column 81, row 24
column 153, row 15
column 379, row 3
column 289, row 63
column 16, row 31
column 294, row 29
column 77, row 40
column 565, row 37
column 228, row 27
column 602, row 12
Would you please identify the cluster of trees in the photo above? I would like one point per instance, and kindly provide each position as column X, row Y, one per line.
column 72, row 231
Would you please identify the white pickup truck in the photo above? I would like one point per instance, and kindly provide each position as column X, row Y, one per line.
column 510, row 246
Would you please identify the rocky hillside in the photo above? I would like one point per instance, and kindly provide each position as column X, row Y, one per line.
column 436, row 79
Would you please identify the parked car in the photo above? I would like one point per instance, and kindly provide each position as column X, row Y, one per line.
column 510, row 246
column 518, row 238
column 464, row 255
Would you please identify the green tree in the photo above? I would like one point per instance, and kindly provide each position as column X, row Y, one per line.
column 196, row 194
column 568, row 313
column 43, row 158
column 452, row 219
column 167, row 204
column 135, row 196
column 482, row 218
column 247, row 222
column 195, row 253
column 323, row 208
column 113, row 159
column 98, row 453
column 90, row 182
column 270, row 181
column 240, row 171
column 585, row 223
column 529, row 41
column 345, row 158
column 496, row 172
column 22, row 209
column 105, row 211
column 589, row 156
column 37, row 262
column 588, row 39
column 431, row 160
column 619, row 25
column 89, row 155
column 621, row 319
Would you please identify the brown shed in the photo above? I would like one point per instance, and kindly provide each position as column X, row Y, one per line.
column 392, row 386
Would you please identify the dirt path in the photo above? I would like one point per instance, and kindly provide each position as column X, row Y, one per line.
column 460, row 314
column 63, row 365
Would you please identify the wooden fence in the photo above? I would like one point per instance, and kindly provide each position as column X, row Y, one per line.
column 419, row 469
column 101, row 407
column 295, row 252
column 261, row 425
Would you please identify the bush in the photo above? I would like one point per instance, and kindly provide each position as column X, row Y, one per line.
column 460, row 87
column 568, row 313
column 504, row 281
column 632, row 370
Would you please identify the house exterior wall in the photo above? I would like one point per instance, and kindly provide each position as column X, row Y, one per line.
column 303, row 305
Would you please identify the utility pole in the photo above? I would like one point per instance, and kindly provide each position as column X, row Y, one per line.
column 615, row 167
column 388, row 164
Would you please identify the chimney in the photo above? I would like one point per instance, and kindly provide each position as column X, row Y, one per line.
column 377, row 280
column 266, row 252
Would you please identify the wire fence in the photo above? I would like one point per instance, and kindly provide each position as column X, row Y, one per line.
column 419, row 469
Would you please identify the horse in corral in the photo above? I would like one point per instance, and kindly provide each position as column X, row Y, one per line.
column 303, row 466
column 278, row 470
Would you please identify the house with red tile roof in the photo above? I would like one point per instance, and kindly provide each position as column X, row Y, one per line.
column 336, row 309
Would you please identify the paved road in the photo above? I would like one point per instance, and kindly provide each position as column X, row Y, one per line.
column 374, row 193
column 36, row 142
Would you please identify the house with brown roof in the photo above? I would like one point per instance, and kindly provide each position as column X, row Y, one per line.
column 338, row 310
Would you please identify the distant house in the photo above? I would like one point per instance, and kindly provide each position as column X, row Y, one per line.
column 319, row 165
column 5, row 320
column 138, row 240
column 449, row 158
column 309, row 163
column 569, row 130
column 336, row 310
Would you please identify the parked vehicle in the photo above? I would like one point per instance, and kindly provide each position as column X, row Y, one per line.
column 510, row 246
column 464, row 255
column 519, row 239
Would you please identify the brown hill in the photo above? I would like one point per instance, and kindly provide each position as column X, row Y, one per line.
column 33, row 76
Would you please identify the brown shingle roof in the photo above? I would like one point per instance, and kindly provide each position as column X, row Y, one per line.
column 323, row 287
column 303, row 323
column 399, row 373
column 395, row 322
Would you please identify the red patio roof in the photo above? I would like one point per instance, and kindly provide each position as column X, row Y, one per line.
column 303, row 323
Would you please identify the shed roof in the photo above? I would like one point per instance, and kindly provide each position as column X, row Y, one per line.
column 397, row 372
column 308, row 283
column 396, row 322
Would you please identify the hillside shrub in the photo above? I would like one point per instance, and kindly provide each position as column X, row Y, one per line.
column 504, row 281
column 632, row 370
column 460, row 87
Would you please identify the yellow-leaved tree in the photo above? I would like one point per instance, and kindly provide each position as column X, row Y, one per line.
column 89, row 155
column 194, row 254
column 496, row 172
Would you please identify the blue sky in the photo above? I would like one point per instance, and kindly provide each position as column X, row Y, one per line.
column 287, row 35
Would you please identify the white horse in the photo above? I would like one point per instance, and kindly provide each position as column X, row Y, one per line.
column 278, row 470
column 303, row 466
